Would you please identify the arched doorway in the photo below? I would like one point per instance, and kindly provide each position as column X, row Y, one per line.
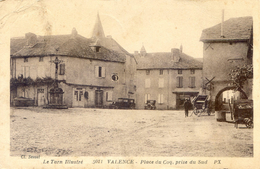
column 218, row 101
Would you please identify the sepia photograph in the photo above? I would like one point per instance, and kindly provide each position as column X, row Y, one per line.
column 129, row 84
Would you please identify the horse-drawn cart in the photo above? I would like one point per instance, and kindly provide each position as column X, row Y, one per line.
column 200, row 104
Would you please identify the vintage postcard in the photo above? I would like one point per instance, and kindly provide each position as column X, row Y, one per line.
column 129, row 84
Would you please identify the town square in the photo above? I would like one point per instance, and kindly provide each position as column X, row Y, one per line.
column 119, row 78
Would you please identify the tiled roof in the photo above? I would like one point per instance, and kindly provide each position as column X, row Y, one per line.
column 164, row 60
column 234, row 28
column 64, row 45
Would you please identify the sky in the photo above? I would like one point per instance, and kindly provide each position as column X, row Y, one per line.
column 158, row 25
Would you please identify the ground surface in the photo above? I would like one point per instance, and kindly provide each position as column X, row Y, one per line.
column 104, row 132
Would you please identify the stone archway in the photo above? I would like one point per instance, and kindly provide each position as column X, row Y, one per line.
column 225, row 89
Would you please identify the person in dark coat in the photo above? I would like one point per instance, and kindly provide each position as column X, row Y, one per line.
column 187, row 104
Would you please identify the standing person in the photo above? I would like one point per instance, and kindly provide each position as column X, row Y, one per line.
column 186, row 107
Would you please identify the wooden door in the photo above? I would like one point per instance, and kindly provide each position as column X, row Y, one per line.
column 40, row 97
column 99, row 98
column 78, row 97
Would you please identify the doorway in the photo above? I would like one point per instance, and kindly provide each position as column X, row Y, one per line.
column 40, row 97
column 78, row 99
column 99, row 98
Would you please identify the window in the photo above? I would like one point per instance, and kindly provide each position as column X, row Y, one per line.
column 114, row 77
column 161, row 83
column 25, row 60
column 192, row 82
column 62, row 69
column 41, row 71
column 179, row 82
column 161, row 72
column 26, row 71
column 40, row 59
column 147, row 83
column 97, row 48
column 146, row 97
column 192, row 71
column 179, row 71
column 100, row 71
column 147, row 72
column 109, row 96
column 160, row 98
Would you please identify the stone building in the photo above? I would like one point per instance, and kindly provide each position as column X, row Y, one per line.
column 225, row 46
column 91, row 74
column 167, row 77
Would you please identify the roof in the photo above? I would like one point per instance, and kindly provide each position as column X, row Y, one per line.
column 164, row 60
column 63, row 45
column 110, row 43
column 234, row 28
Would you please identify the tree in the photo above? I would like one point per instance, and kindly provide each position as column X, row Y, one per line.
column 239, row 75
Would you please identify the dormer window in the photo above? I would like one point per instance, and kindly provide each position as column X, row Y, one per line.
column 41, row 59
column 97, row 48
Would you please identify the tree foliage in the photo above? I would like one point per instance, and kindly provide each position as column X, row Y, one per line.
column 239, row 75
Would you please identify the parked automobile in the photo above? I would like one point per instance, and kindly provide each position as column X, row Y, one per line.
column 123, row 103
column 23, row 102
column 242, row 112
column 150, row 104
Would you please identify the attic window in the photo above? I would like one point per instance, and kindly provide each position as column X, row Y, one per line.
column 97, row 48
column 41, row 59
column 25, row 60
column 179, row 71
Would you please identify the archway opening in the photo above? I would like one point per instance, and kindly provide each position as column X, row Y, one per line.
column 228, row 95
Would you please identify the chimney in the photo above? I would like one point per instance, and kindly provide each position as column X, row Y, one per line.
column 175, row 54
column 31, row 39
column 74, row 32
column 143, row 51
column 181, row 48
column 222, row 25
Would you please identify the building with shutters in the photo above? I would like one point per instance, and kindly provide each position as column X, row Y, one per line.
column 94, row 71
column 167, row 77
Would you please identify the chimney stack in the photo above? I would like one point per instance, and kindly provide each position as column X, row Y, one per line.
column 222, row 25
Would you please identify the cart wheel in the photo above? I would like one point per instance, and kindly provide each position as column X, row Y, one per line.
column 195, row 111
column 249, row 124
column 208, row 111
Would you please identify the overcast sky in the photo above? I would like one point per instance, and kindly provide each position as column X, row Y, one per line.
column 159, row 25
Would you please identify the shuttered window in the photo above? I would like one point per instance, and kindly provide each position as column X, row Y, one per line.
column 26, row 71
column 179, row 82
column 160, row 98
column 146, row 97
column 192, row 82
column 109, row 96
column 62, row 69
column 100, row 71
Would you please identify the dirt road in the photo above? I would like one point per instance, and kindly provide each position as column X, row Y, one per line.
column 104, row 132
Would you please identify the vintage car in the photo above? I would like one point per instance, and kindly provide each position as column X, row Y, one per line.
column 123, row 103
column 242, row 112
column 150, row 104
